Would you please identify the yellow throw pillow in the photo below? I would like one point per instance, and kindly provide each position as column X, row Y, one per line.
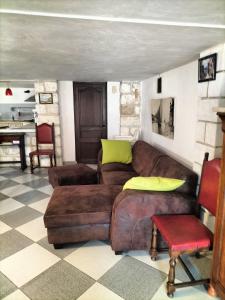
column 116, row 151
column 153, row 184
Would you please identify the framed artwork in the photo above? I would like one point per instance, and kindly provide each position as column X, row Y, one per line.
column 163, row 116
column 207, row 68
column 45, row 98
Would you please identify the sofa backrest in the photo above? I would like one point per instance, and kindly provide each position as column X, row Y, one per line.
column 169, row 167
column 144, row 158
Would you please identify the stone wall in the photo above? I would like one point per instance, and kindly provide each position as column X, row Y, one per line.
column 49, row 113
column 130, row 108
column 208, row 131
column 12, row 152
column 211, row 94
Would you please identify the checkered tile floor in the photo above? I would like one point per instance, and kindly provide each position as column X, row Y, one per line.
column 30, row 268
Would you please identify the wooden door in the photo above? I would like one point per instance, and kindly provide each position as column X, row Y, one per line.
column 90, row 111
column 218, row 267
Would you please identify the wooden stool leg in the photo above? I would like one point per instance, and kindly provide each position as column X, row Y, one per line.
column 171, row 276
column 212, row 291
column 31, row 165
column 153, row 249
column 50, row 156
column 54, row 160
column 38, row 161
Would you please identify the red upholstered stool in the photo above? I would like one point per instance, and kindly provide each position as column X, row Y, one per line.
column 186, row 234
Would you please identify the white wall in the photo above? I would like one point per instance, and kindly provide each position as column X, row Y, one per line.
column 181, row 84
column 113, row 109
column 18, row 95
column 67, row 120
column 67, row 115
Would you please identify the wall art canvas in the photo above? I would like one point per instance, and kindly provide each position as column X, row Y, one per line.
column 207, row 68
column 163, row 116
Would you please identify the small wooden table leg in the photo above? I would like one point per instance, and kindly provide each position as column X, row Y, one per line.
column 212, row 291
column 171, row 276
column 153, row 249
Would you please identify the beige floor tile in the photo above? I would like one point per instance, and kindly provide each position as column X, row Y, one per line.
column 98, row 291
column 94, row 258
column 40, row 205
column 162, row 262
column 17, row 295
column 8, row 205
column 35, row 229
column 26, row 264
column 4, row 227
column 187, row 293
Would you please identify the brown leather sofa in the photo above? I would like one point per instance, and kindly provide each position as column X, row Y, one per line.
column 103, row 211
column 74, row 174
column 132, row 210
column 77, row 213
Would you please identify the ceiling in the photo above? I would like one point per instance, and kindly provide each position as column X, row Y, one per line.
column 17, row 84
column 102, row 40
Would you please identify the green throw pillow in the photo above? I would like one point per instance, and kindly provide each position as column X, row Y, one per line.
column 153, row 184
column 116, row 151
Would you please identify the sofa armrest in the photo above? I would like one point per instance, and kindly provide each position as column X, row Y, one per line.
column 131, row 224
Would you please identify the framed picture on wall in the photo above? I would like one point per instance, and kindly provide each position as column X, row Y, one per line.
column 163, row 116
column 45, row 98
column 207, row 68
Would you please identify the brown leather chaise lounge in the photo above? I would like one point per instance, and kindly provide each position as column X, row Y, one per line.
column 103, row 211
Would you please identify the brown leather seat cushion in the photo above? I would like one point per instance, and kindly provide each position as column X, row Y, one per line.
column 80, row 205
column 71, row 175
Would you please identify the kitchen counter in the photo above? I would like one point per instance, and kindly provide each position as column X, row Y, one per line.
column 10, row 153
column 10, row 140
column 24, row 128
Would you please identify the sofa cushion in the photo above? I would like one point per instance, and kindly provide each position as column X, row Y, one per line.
column 144, row 158
column 116, row 151
column 117, row 177
column 71, row 175
column 168, row 167
column 161, row 184
column 80, row 205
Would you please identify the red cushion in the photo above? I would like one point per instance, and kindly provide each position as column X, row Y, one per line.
column 42, row 152
column 183, row 232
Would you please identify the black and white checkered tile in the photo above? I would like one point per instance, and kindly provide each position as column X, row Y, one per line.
column 30, row 268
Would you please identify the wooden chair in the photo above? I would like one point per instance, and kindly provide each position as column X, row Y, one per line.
column 185, row 234
column 44, row 135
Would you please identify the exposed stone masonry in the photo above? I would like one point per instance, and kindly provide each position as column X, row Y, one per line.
column 209, row 133
column 49, row 113
column 130, row 108
column 211, row 95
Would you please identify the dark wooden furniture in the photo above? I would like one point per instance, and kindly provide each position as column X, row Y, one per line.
column 185, row 234
column 14, row 139
column 45, row 134
column 217, row 283
column 90, row 114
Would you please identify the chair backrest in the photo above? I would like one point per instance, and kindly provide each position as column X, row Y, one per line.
column 45, row 133
column 209, row 184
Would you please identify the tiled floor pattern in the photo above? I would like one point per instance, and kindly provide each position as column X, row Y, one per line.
column 30, row 268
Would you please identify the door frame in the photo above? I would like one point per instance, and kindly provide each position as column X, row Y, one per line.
column 77, row 116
